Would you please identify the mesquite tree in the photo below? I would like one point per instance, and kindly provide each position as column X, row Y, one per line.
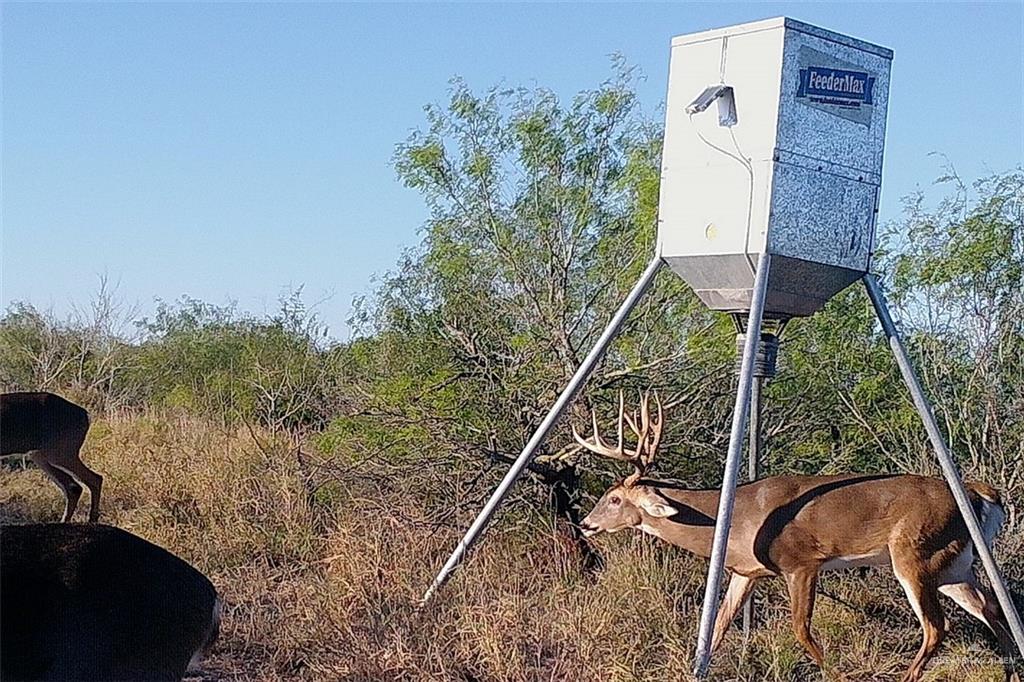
column 542, row 215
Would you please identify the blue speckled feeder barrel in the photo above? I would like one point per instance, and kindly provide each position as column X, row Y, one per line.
column 774, row 136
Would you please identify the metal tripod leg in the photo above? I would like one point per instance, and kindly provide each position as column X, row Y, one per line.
column 577, row 381
column 949, row 469
column 733, row 461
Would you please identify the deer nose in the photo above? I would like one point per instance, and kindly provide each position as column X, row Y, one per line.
column 587, row 529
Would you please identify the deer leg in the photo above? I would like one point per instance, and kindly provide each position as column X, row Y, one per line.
column 924, row 599
column 92, row 480
column 740, row 588
column 977, row 601
column 68, row 485
column 801, row 586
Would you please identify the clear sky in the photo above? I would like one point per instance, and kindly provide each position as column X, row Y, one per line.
column 228, row 151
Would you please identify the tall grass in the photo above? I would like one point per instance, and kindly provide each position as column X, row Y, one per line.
column 322, row 582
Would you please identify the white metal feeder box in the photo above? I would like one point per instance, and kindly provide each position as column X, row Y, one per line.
column 773, row 144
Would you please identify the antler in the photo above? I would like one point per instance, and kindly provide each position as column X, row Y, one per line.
column 648, row 435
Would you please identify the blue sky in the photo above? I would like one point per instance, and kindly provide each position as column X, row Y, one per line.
column 229, row 151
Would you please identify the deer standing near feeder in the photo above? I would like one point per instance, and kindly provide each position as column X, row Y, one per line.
column 92, row 603
column 51, row 430
column 798, row 526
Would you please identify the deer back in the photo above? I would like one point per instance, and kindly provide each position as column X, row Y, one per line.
column 93, row 602
column 36, row 421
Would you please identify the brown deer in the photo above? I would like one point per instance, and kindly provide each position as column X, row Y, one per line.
column 89, row 602
column 51, row 431
column 798, row 526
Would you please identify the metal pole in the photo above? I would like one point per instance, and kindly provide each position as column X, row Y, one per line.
column 753, row 471
column 949, row 469
column 732, row 469
column 577, row 381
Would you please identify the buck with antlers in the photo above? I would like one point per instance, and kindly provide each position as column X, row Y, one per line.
column 798, row 526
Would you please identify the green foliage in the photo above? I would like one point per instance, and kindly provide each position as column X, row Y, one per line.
column 23, row 338
column 543, row 214
column 212, row 360
column 967, row 246
column 960, row 267
column 81, row 357
column 280, row 371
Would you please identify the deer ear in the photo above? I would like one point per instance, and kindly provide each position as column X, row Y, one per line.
column 657, row 509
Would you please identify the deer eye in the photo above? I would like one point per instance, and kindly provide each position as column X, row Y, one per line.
column 615, row 500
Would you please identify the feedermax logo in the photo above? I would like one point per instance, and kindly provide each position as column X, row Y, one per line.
column 839, row 87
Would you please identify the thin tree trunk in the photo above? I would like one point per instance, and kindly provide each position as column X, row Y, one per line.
column 565, row 489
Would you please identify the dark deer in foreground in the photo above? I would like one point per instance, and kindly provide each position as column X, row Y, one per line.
column 797, row 526
column 51, row 431
column 89, row 602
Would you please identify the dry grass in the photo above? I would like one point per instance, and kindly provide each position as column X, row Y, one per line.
column 323, row 586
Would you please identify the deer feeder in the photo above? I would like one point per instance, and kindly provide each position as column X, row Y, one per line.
column 789, row 163
column 771, row 171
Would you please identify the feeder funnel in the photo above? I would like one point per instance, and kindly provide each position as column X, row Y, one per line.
column 773, row 144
